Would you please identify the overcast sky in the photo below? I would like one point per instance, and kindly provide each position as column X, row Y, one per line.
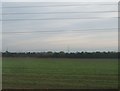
column 57, row 26
column 60, row 0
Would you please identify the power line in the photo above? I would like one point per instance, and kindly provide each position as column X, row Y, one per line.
column 56, row 31
column 58, row 18
column 55, row 5
column 59, row 12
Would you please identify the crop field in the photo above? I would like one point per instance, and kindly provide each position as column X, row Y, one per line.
column 61, row 73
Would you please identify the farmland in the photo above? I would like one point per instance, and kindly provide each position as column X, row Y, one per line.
column 60, row 73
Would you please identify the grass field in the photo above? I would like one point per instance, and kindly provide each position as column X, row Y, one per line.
column 35, row 73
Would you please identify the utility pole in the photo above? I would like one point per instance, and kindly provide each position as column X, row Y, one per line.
column 7, row 49
column 68, row 49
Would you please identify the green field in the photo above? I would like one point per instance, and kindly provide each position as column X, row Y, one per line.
column 38, row 73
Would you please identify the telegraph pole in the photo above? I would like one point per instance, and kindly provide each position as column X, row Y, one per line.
column 68, row 49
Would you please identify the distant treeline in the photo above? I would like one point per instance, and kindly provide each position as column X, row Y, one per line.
column 62, row 54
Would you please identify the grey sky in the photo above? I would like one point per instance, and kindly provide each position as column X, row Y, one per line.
column 60, row 0
column 99, row 34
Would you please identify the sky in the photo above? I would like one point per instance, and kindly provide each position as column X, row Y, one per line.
column 60, row 0
column 57, row 26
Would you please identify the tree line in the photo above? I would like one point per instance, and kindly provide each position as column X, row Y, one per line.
column 62, row 54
